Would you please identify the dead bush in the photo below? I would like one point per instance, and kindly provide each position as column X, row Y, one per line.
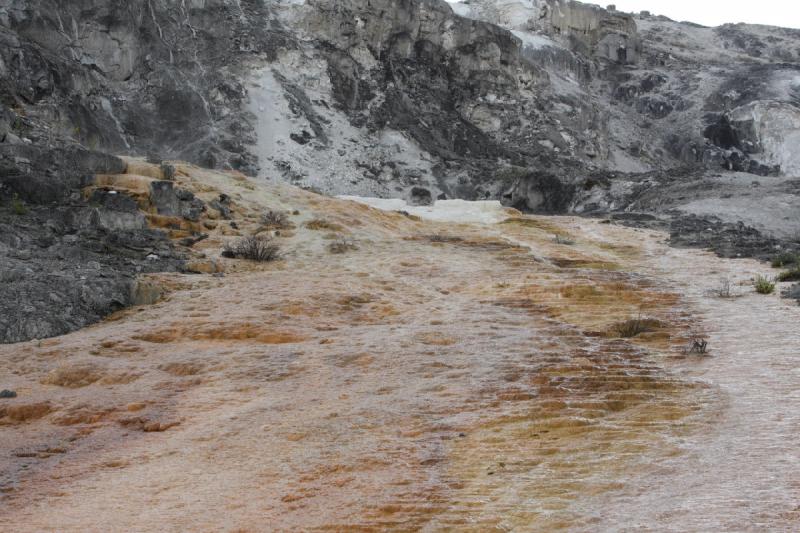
column 255, row 248
column 724, row 289
column 276, row 220
column 342, row 245
column 699, row 346
column 636, row 326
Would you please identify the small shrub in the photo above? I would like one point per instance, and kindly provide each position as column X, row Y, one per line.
column 764, row 285
column 724, row 289
column 276, row 220
column 636, row 326
column 790, row 275
column 258, row 248
column 699, row 346
column 342, row 245
column 17, row 206
column 785, row 259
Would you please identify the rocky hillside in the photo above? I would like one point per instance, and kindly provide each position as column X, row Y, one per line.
column 473, row 99
column 549, row 106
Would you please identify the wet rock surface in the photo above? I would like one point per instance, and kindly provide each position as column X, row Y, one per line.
column 478, row 362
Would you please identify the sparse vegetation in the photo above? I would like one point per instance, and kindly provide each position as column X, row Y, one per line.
column 636, row 326
column 724, row 289
column 764, row 285
column 342, row 245
column 18, row 206
column 276, row 220
column 699, row 346
column 790, row 275
column 785, row 259
column 257, row 248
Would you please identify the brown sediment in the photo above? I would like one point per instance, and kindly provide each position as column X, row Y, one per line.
column 443, row 376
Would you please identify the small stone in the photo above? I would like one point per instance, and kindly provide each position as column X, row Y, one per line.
column 5, row 393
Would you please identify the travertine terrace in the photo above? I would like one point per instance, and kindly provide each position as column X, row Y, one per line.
column 435, row 376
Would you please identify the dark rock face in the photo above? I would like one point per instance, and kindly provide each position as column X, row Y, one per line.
column 420, row 196
column 723, row 134
column 79, row 80
column 591, row 30
column 67, row 266
column 427, row 80
column 174, row 202
column 43, row 175
column 141, row 77
column 540, row 192
column 727, row 240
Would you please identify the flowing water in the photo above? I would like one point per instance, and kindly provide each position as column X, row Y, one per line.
column 742, row 473
column 443, row 376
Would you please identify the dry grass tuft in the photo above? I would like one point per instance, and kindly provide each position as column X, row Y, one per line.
column 785, row 259
column 635, row 327
column 532, row 223
column 790, row 275
column 342, row 245
column 319, row 224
